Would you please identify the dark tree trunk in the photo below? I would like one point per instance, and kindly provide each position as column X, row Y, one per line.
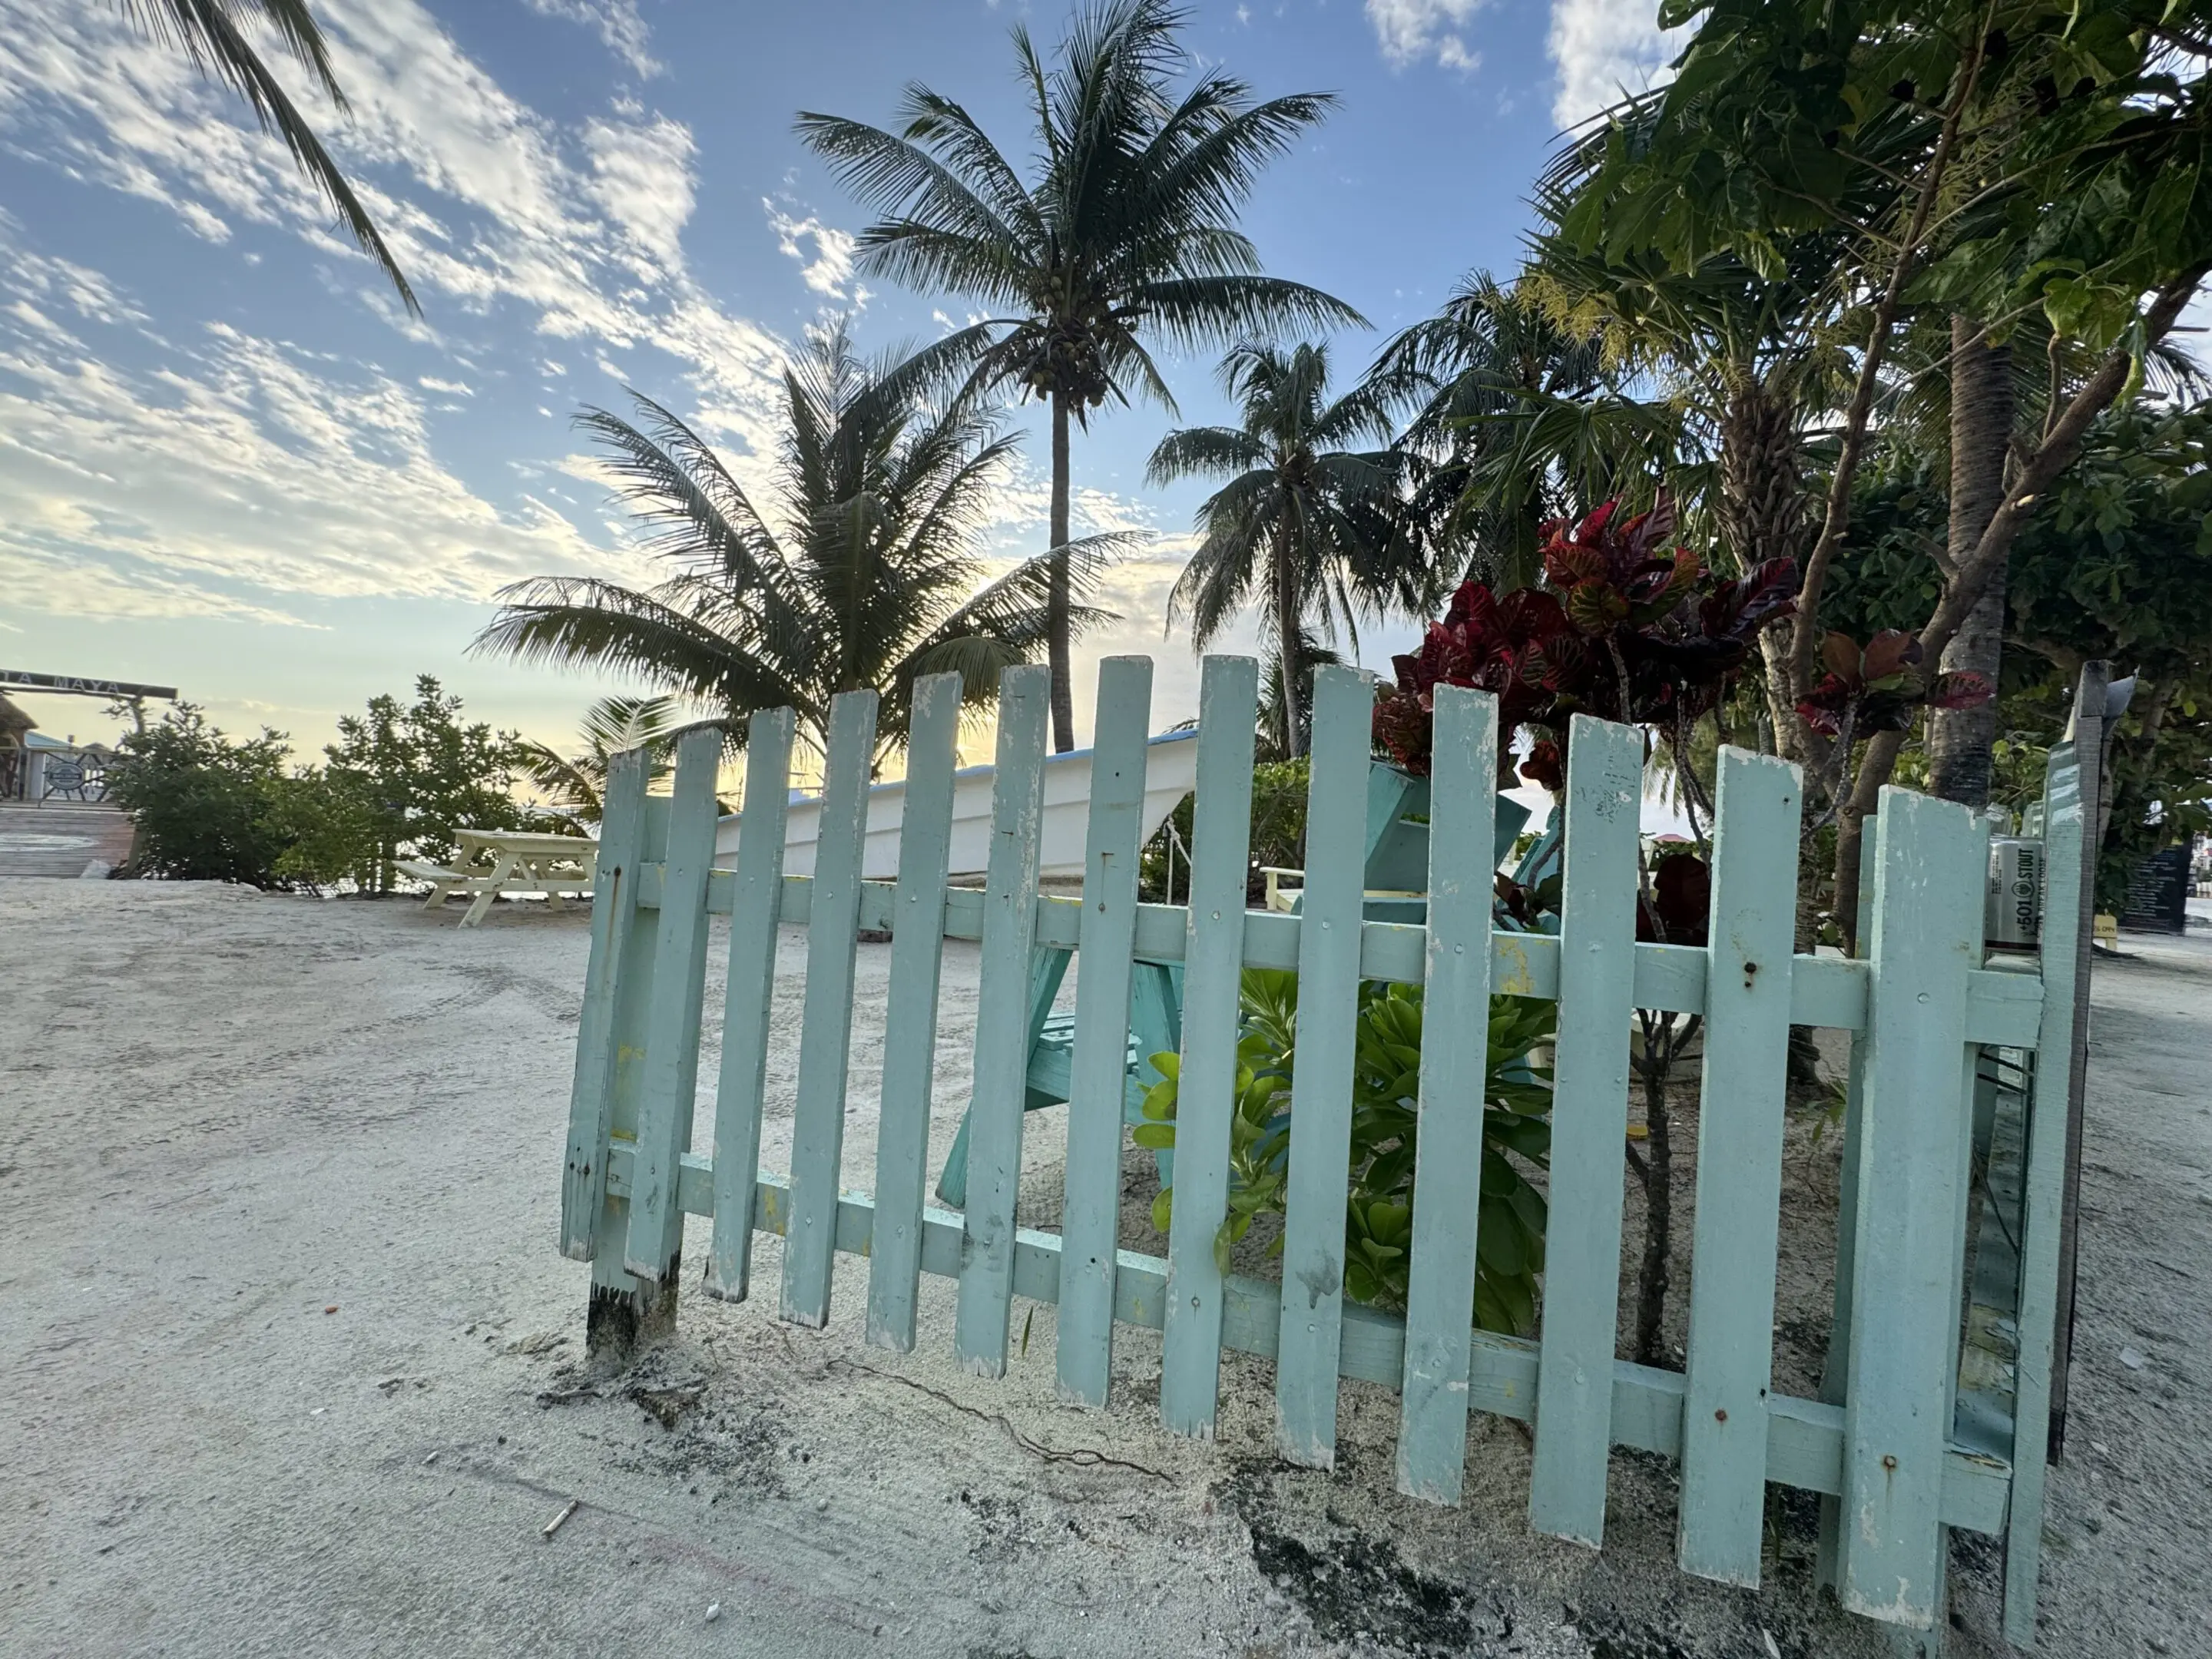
column 1063, row 680
column 1286, row 636
column 1661, row 1040
column 1762, row 514
column 1960, row 740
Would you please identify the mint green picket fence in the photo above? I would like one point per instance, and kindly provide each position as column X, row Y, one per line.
column 1945, row 1102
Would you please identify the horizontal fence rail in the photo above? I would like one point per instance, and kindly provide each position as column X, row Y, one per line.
column 1896, row 1448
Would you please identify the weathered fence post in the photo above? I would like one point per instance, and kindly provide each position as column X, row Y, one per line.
column 1091, row 1215
column 1750, row 934
column 1003, row 1027
column 1589, row 1131
column 1454, row 1059
column 1330, row 916
column 825, row 1037
column 1213, row 957
column 593, row 1225
column 910, row 1021
column 654, row 1250
column 2069, row 829
column 1912, row 1170
column 748, row 997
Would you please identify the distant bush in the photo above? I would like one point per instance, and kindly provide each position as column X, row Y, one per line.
column 1278, row 833
column 398, row 782
column 206, row 809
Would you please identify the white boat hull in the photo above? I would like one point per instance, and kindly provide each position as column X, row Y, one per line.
column 1171, row 771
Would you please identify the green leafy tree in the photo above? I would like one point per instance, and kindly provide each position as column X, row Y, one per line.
column 862, row 573
column 1301, row 517
column 1124, row 227
column 399, row 780
column 204, row 808
column 1989, row 160
column 2117, row 566
column 216, row 35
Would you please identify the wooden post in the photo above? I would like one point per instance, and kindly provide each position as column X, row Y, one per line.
column 1454, row 1058
column 1003, row 1026
column 1748, row 970
column 1213, row 957
column 750, row 995
column 1917, row 1129
column 2068, row 833
column 910, row 1021
column 2089, row 747
column 1091, row 1211
column 1330, row 918
column 1589, row 1131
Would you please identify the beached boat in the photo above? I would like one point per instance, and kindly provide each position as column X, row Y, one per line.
column 1171, row 771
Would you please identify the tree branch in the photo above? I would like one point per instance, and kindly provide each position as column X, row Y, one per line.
column 1804, row 634
column 2060, row 444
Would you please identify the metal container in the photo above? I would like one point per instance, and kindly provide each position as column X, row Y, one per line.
column 2012, row 916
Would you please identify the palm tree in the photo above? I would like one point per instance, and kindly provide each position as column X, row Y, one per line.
column 1126, row 227
column 863, row 574
column 1512, row 418
column 578, row 783
column 212, row 34
column 1301, row 517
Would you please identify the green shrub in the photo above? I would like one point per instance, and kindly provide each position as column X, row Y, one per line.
column 398, row 782
column 1517, row 1104
column 205, row 808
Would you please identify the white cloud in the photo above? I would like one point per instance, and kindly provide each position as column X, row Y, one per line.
column 642, row 176
column 831, row 267
column 1409, row 31
column 1603, row 49
column 618, row 24
column 239, row 477
column 487, row 204
column 458, row 388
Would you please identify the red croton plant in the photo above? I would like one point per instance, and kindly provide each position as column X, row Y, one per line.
column 1624, row 628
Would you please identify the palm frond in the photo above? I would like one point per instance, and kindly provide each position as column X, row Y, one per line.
column 208, row 33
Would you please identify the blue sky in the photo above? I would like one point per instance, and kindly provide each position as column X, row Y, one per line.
column 229, row 462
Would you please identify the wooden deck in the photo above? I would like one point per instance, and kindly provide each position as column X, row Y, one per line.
column 60, row 838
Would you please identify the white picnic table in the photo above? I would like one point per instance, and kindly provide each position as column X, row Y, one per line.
column 519, row 861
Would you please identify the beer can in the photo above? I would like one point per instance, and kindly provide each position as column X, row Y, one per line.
column 2012, row 916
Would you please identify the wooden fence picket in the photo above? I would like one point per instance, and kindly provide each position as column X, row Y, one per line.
column 985, row 1300
column 1321, row 1090
column 623, row 1306
column 1751, row 932
column 672, row 1042
column 825, row 1037
column 1454, row 1058
column 749, row 998
column 1589, row 1126
column 2066, row 830
column 614, row 909
column 1091, row 1215
column 910, row 1020
column 1213, row 959
column 1927, row 932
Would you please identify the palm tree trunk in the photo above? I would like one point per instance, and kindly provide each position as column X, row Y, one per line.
column 1056, row 620
column 1287, row 641
column 1762, row 516
column 1960, row 740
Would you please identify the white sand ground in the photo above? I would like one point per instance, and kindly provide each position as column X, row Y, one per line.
column 288, row 1365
